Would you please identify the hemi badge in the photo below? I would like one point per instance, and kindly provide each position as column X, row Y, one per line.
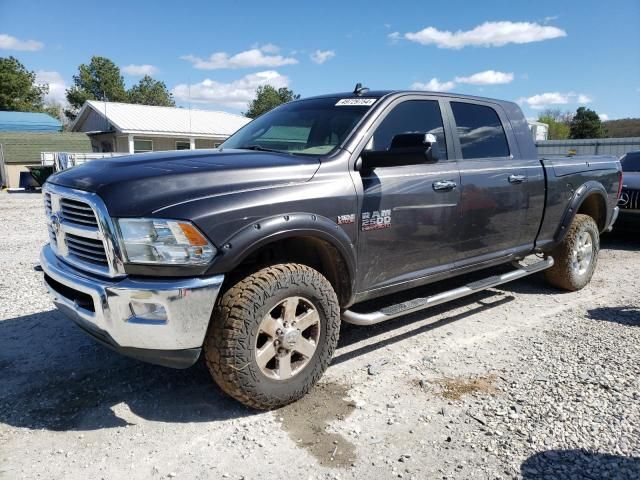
column 346, row 219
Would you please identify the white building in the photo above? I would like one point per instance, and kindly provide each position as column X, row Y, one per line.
column 131, row 128
column 539, row 130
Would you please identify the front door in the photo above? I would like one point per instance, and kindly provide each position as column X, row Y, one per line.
column 494, row 194
column 408, row 217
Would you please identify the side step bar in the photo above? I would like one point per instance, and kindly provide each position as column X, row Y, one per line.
column 416, row 304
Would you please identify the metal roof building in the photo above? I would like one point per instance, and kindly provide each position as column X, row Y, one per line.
column 132, row 128
column 28, row 122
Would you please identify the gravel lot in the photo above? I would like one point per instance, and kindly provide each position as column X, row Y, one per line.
column 516, row 382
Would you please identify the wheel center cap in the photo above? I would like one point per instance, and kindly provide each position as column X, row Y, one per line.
column 289, row 338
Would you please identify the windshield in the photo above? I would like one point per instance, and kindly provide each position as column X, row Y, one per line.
column 305, row 127
column 631, row 162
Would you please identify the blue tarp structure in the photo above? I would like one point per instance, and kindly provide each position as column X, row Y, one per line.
column 28, row 122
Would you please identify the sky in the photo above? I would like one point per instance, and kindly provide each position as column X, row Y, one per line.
column 212, row 55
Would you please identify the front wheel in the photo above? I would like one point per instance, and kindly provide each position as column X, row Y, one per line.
column 576, row 257
column 272, row 335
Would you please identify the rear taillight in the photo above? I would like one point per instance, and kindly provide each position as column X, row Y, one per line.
column 619, row 184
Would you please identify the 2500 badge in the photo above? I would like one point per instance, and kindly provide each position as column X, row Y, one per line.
column 376, row 220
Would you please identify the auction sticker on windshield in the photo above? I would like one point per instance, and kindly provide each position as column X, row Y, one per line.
column 356, row 101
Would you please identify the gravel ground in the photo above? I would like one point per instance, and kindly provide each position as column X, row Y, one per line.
column 517, row 382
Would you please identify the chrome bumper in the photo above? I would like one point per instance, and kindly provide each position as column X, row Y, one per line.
column 103, row 308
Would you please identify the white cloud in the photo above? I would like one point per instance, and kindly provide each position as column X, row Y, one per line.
column 7, row 42
column 544, row 100
column 140, row 70
column 254, row 57
column 582, row 98
column 236, row 94
column 321, row 56
column 551, row 18
column 433, row 85
column 57, row 86
column 603, row 116
column 269, row 48
column 488, row 77
column 394, row 37
column 489, row 34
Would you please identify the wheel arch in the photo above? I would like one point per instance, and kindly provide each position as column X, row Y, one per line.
column 305, row 238
column 589, row 199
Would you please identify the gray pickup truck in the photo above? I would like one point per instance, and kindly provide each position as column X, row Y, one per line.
column 254, row 253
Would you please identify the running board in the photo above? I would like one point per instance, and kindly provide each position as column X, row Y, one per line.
column 416, row 304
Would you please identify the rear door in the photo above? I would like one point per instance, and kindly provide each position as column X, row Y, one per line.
column 494, row 194
column 408, row 215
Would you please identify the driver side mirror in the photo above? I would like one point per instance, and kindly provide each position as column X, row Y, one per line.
column 406, row 149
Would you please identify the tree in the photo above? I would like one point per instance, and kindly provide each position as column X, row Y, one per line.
column 558, row 122
column 100, row 80
column 18, row 90
column 586, row 124
column 268, row 98
column 624, row 127
column 151, row 92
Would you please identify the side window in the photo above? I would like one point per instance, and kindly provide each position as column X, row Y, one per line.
column 412, row 116
column 480, row 131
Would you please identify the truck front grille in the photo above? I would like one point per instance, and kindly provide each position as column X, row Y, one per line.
column 629, row 199
column 80, row 231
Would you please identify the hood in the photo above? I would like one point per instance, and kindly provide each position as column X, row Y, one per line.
column 137, row 185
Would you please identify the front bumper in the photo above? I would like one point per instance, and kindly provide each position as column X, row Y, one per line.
column 103, row 308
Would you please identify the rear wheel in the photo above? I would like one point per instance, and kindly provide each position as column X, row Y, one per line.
column 272, row 335
column 576, row 257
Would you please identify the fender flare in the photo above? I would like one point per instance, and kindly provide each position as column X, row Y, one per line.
column 271, row 229
column 584, row 191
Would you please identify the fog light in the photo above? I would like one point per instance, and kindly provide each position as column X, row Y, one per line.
column 147, row 312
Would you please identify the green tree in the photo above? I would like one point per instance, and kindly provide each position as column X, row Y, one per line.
column 18, row 88
column 100, row 80
column 558, row 122
column 151, row 92
column 268, row 98
column 586, row 124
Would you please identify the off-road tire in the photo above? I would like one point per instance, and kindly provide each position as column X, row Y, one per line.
column 229, row 345
column 562, row 274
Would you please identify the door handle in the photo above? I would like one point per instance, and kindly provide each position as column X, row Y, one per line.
column 517, row 178
column 444, row 185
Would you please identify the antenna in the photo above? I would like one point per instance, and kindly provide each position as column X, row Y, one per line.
column 359, row 90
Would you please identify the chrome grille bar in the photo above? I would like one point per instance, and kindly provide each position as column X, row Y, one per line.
column 78, row 212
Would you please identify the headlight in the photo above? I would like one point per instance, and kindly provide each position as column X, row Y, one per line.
column 167, row 242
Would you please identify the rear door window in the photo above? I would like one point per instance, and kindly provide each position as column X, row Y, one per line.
column 480, row 131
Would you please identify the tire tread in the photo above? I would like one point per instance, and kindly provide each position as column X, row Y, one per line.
column 233, row 316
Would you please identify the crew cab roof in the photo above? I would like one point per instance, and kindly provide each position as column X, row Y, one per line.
column 383, row 93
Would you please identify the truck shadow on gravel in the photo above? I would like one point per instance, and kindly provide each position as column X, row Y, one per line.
column 620, row 240
column 484, row 300
column 579, row 464
column 56, row 378
column 628, row 315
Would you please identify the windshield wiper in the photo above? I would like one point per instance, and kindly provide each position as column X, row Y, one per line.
column 260, row 149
